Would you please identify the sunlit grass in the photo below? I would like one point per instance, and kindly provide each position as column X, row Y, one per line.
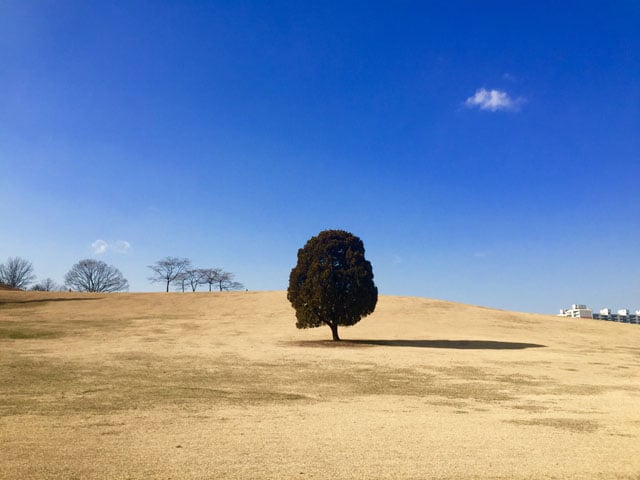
column 110, row 388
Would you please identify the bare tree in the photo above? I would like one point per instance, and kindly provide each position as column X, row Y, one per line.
column 234, row 286
column 193, row 277
column 17, row 273
column 95, row 276
column 210, row 276
column 226, row 282
column 46, row 285
column 181, row 281
column 169, row 269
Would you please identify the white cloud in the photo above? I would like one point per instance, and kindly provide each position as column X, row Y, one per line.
column 121, row 246
column 100, row 246
column 492, row 100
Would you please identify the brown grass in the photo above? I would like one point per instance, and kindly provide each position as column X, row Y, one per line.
column 223, row 386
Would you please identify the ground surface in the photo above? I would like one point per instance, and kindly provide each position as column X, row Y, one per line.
column 223, row 386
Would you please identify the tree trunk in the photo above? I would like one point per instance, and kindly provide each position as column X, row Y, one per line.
column 167, row 286
column 334, row 332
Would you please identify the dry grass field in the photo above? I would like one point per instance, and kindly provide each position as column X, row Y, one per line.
column 173, row 386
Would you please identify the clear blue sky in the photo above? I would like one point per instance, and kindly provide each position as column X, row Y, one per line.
column 487, row 153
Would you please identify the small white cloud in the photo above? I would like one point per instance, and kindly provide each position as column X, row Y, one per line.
column 121, row 246
column 99, row 247
column 396, row 260
column 492, row 100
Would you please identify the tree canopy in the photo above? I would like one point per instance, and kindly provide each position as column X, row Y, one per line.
column 16, row 273
column 332, row 283
column 95, row 276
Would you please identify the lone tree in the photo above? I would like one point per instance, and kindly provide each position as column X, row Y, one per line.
column 17, row 273
column 169, row 269
column 332, row 283
column 95, row 276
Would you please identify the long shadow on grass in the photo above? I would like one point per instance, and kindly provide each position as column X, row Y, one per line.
column 454, row 344
column 46, row 300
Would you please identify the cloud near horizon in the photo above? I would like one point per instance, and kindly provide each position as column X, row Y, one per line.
column 100, row 246
column 493, row 100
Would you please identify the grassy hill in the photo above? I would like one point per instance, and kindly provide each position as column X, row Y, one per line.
column 222, row 385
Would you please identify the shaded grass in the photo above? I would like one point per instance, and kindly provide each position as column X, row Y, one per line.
column 134, row 381
column 447, row 344
column 571, row 424
column 42, row 301
column 139, row 380
column 24, row 333
column 451, row 344
column 26, row 327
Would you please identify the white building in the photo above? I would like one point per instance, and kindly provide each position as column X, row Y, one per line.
column 581, row 311
column 577, row 311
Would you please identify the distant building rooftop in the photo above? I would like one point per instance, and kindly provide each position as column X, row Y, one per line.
column 578, row 310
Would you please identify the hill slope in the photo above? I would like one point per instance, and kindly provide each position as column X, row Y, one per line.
column 223, row 386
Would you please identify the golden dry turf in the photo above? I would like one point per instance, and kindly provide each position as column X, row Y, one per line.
column 222, row 385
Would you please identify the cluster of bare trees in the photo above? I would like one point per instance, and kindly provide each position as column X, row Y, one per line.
column 85, row 276
column 181, row 273
column 96, row 276
column 47, row 285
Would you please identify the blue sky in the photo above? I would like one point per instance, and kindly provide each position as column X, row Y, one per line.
column 485, row 153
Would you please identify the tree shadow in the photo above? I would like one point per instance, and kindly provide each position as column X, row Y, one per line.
column 452, row 344
column 46, row 300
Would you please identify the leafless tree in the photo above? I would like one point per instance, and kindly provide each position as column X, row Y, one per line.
column 221, row 279
column 193, row 277
column 181, row 281
column 210, row 276
column 46, row 285
column 169, row 269
column 233, row 286
column 226, row 282
column 17, row 273
column 95, row 276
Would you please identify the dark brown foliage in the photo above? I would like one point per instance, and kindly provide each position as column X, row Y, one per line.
column 332, row 284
